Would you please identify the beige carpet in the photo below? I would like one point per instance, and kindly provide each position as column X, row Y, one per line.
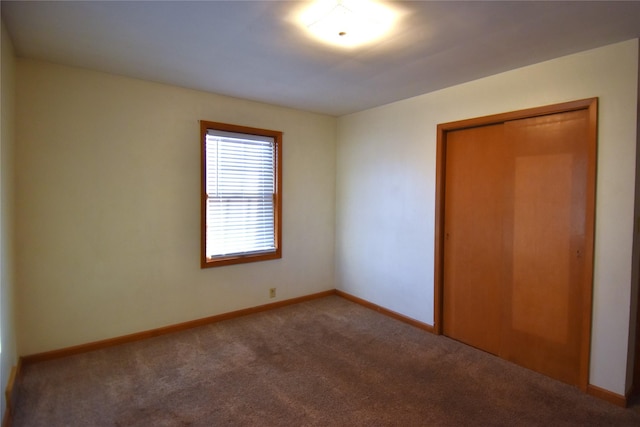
column 327, row 362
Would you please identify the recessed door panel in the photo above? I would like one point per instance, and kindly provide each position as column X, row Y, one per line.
column 541, row 246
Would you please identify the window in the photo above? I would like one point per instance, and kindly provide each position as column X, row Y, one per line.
column 241, row 194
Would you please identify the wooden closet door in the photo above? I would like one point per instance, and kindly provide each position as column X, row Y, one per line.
column 515, row 236
column 473, row 240
column 546, row 296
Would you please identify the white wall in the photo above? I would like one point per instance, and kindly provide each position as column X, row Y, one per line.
column 8, row 357
column 386, row 189
column 108, row 207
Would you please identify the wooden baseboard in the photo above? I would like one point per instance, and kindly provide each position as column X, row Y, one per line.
column 11, row 393
column 592, row 390
column 96, row 345
column 12, row 390
column 386, row 312
column 607, row 395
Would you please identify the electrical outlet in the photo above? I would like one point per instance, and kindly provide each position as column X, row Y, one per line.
column 272, row 293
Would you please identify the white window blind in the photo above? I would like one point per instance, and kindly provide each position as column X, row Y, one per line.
column 240, row 187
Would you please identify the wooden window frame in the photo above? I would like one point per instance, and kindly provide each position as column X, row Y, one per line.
column 206, row 261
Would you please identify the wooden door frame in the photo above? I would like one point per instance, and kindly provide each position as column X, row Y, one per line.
column 591, row 105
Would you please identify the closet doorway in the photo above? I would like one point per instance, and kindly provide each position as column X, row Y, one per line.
column 515, row 204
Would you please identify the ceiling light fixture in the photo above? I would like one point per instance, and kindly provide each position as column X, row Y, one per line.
column 347, row 23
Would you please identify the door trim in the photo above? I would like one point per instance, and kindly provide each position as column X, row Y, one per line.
column 591, row 105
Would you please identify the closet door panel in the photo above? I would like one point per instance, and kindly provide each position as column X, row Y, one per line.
column 545, row 241
column 473, row 242
column 515, row 232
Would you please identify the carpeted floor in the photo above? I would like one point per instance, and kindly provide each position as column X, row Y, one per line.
column 326, row 362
